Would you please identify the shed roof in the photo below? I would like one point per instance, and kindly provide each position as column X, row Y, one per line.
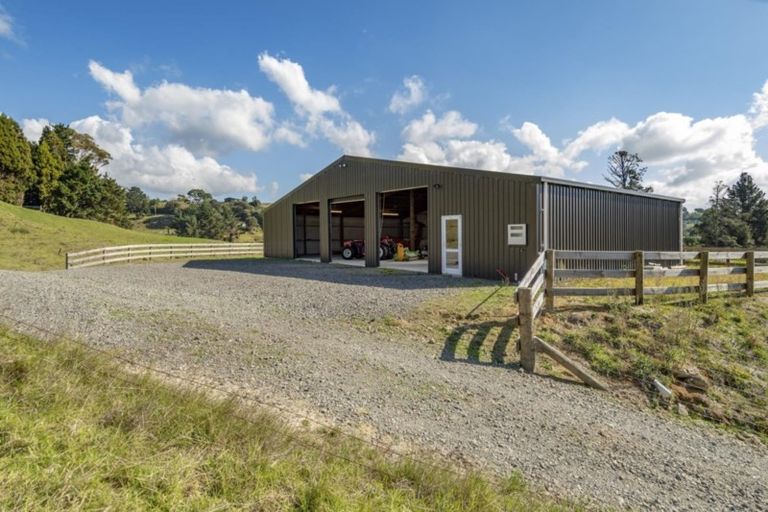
column 417, row 166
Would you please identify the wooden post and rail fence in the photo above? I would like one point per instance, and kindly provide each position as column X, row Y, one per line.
column 125, row 253
column 537, row 290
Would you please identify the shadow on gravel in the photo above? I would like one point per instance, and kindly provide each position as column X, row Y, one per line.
column 484, row 341
column 329, row 273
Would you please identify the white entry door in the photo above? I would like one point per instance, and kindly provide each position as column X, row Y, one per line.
column 451, row 236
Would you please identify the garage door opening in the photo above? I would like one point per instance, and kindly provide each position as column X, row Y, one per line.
column 348, row 230
column 403, row 222
column 306, row 229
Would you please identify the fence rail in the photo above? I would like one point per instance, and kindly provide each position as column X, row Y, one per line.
column 124, row 253
column 537, row 290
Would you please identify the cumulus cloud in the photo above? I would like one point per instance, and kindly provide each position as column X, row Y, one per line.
column 412, row 95
column 447, row 140
column 169, row 169
column 119, row 83
column 33, row 128
column 7, row 30
column 685, row 156
column 205, row 121
column 320, row 110
column 759, row 108
column 305, row 176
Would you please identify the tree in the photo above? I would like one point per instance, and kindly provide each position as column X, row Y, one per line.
column 137, row 201
column 48, row 168
column 199, row 214
column 625, row 172
column 720, row 225
column 16, row 170
column 747, row 201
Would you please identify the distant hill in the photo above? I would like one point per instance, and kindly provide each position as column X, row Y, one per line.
column 32, row 240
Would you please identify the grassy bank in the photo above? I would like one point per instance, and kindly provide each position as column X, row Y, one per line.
column 32, row 240
column 77, row 432
column 714, row 356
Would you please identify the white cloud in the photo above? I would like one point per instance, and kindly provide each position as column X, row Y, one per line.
column 33, row 128
column 597, row 137
column 206, row 121
column 447, row 141
column 428, row 128
column 413, row 95
column 305, row 176
column 685, row 156
column 7, row 30
column 289, row 134
column 273, row 189
column 289, row 76
column 321, row 110
column 169, row 169
column 119, row 83
column 759, row 108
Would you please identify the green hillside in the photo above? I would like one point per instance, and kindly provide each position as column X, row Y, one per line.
column 32, row 240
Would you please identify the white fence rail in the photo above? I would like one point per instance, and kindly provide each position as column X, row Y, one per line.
column 123, row 253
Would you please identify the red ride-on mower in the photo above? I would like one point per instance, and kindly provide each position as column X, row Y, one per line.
column 353, row 249
column 356, row 248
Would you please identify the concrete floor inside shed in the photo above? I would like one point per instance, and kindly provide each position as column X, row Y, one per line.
column 410, row 266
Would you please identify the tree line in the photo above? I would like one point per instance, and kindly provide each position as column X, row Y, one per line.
column 61, row 173
column 737, row 216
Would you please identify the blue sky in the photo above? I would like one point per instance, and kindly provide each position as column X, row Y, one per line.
column 247, row 97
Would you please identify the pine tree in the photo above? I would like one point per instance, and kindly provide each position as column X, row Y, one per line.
column 747, row 201
column 16, row 170
column 48, row 169
column 720, row 224
column 625, row 171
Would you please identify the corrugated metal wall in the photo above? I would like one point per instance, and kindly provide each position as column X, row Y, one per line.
column 580, row 217
column 487, row 201
column 587, row 219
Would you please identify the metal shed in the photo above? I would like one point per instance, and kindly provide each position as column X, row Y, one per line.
column 472, row 222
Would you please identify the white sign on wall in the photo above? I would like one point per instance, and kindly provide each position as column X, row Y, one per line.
column 516, row 234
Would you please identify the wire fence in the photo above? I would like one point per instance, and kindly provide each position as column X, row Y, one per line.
column 282, row 412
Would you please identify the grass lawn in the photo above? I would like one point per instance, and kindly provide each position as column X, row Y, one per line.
column 669, row 338
column 77, row 432
column 32, row 240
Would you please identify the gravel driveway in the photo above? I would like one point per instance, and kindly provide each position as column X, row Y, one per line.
column 289, row 331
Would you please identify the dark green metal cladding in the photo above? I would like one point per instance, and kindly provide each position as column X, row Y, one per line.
column 487, row 202
column 558, row 214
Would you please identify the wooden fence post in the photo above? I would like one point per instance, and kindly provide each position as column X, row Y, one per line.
column 66, row 261
column 549, row 290
column 525, row 319
column 639, row 277
column 750, row 273
column 703, row 276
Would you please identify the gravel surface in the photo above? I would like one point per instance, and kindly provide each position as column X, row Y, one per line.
column 290, row 332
